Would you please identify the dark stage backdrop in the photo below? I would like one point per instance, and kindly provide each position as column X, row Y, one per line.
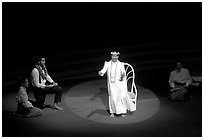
column 71, row 35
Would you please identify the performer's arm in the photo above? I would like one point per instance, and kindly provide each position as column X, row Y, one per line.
column 103, row 71
column 35, row 76
column 24, row 99
column 171, row 81
column 122, row 72
column 189, row 79
column 49, row 79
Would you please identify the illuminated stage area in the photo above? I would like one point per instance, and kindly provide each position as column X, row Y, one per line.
column 85, row 114
column 90, row 101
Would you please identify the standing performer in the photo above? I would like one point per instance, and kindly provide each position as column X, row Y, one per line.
column 119, row 100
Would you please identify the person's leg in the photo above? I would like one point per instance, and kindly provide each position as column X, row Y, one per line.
column 180, row 98
column 35, row 112
column 111, row 109
column 189, row 94
column 57, row 90
column 173, row 96
column 182, row 94
column 58, row 93
column 39, row 97
column 22, row 110
column 185, row 92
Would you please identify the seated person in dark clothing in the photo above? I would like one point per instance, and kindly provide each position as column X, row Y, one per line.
column 24, row 106
column 43, row 84
column 179, row 81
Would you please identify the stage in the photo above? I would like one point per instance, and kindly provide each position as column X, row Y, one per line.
column 86, row 114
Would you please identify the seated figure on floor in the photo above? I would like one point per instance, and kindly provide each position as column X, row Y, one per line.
column 179, row 81
column 24, row 106
column 119, row 100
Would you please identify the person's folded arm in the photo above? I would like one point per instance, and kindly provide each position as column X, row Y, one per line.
column 49, row 79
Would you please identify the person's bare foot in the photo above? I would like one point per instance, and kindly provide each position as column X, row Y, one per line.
column 56, row 107
column 123, row 115
column 112, row 115
column 130, row 112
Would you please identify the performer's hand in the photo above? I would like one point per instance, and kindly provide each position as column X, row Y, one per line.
column 172, row 85
column 122, row 77
column 100, row 73
column 55, row 84
column 48, row 86
column 28, row 104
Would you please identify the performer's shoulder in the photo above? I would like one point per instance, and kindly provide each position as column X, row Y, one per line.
column 107, row 62
column 172, row 72
column 122, row 63
column 35, row 70
column 186, row 70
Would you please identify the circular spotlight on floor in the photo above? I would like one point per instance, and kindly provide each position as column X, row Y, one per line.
column 90, row 101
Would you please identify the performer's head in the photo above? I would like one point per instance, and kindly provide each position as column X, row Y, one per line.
column 178, row 66
column 114, row 56
column 23, row 81
column 40, row 61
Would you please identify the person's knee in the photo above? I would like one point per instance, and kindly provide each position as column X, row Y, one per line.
column 58, row 89
column 35, row 112
column 185, row 90
column 172, row 98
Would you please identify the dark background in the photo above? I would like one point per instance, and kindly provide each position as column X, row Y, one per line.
column 48, row 26
column 76, row 38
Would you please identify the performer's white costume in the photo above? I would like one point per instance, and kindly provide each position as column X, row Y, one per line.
column 119, row 101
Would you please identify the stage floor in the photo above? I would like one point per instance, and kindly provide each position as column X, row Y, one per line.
column 86, row 114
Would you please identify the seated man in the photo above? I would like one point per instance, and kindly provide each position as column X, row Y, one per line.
column 43, row 84
column 179, row 81
column 24, row 107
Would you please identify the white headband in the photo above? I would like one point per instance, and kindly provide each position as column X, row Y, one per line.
column 115, row 53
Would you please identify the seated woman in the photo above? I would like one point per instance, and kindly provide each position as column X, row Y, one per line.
column 24, row 107
column 179, row 81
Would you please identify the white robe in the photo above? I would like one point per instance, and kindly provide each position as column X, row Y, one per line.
column 119, row 100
